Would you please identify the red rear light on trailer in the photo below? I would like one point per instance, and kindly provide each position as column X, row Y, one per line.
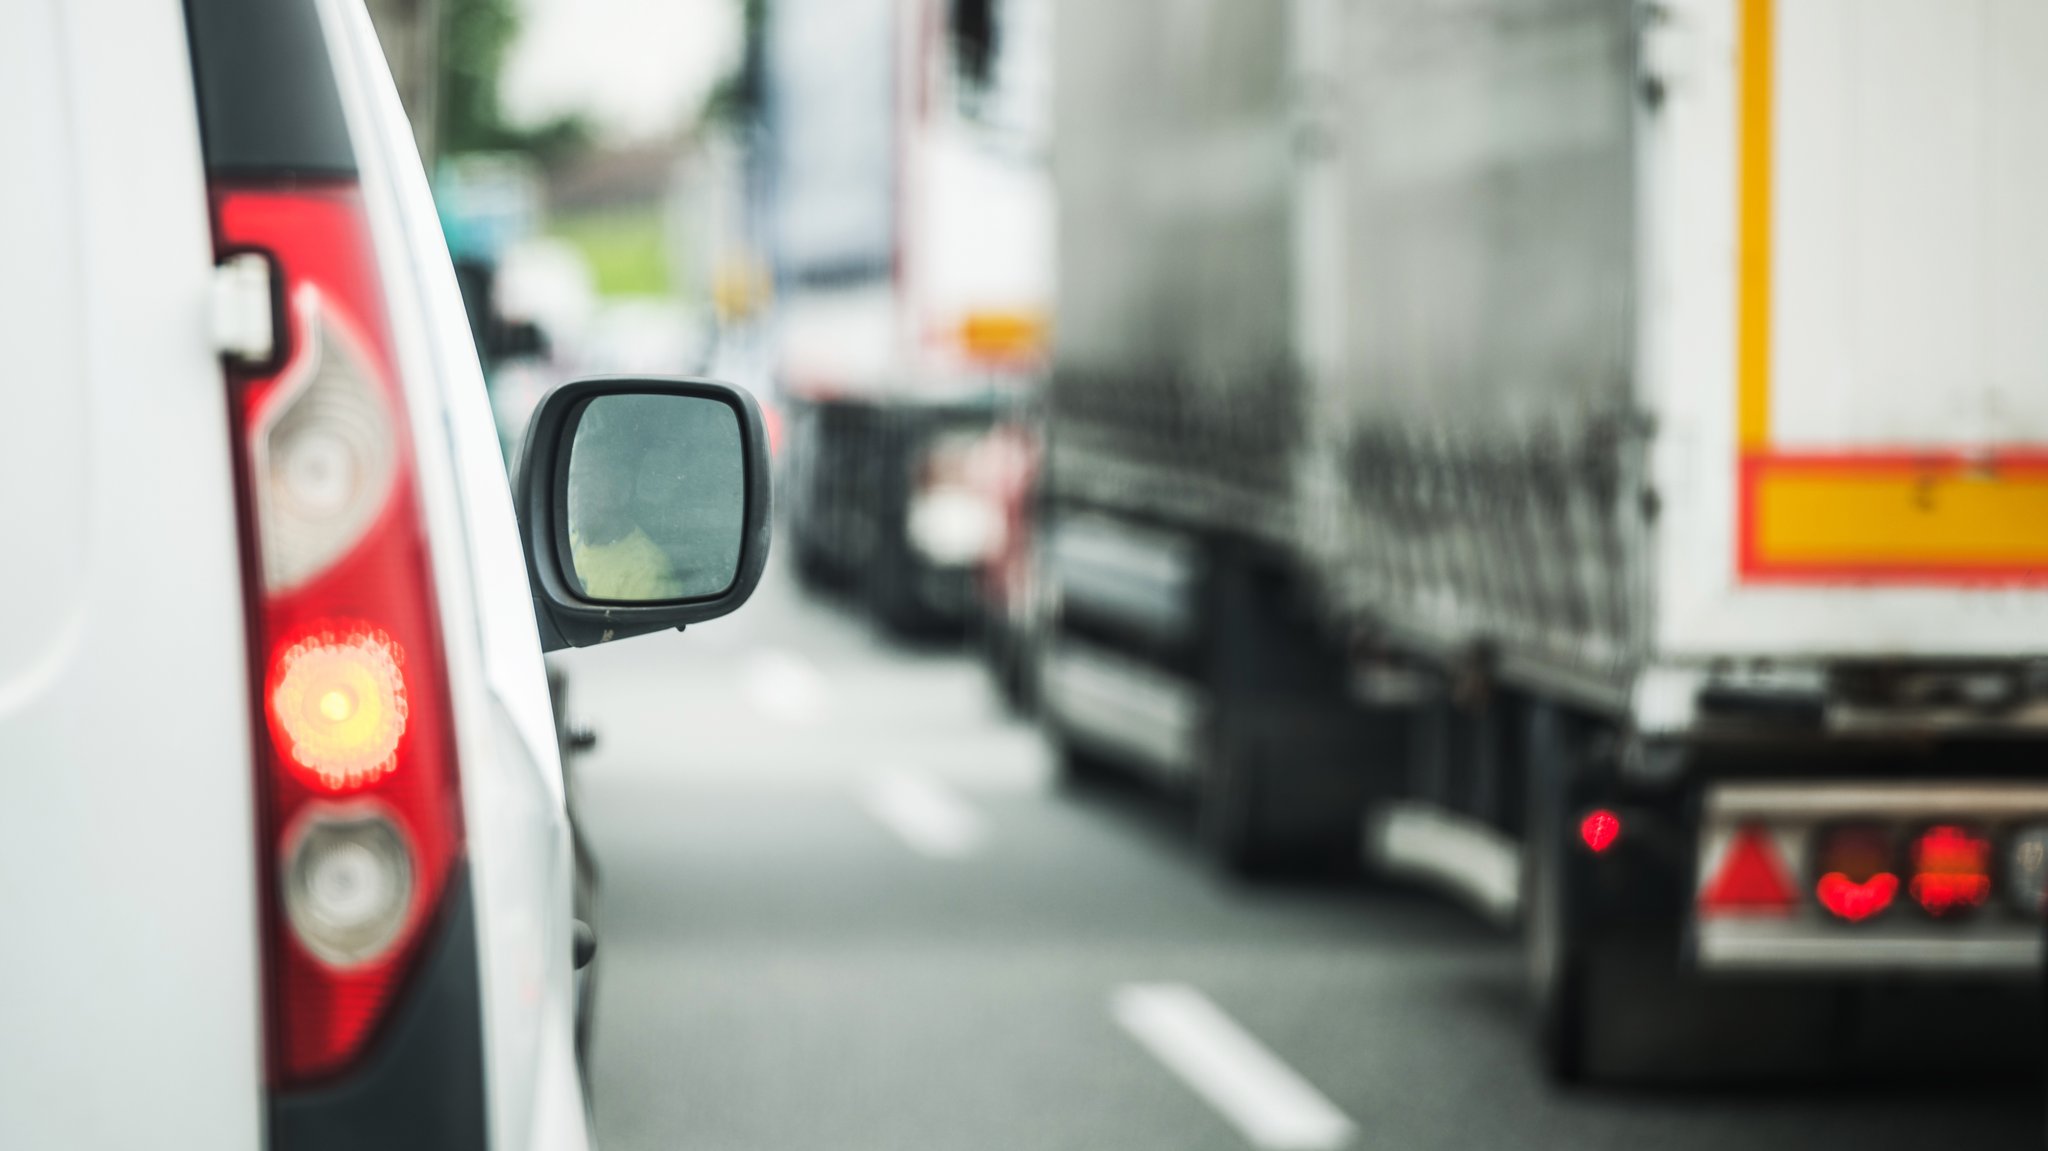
column 360, row 825
column 1951, row 870
column 1855, row 868
column 1752, row 878
column 1599, row 829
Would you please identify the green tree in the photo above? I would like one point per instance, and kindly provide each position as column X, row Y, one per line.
column 737, row 97
column 475, row 35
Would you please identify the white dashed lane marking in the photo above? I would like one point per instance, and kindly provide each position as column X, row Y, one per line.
column 785, row 687
column 926, row 816
column 1273, row 1107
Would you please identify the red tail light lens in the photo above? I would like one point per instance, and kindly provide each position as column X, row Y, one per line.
column 1751, row 879
column 361, row 820
column 1951, row 870
column 1599, row 830
column 1855, row 868
column 1856, row 900
column 339, row 708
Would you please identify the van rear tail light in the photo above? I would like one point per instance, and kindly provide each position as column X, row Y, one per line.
column 1855, row 866
column 324, row 448
column 339, row 707
column 2026, row 870
column 348, row 884
column 1951, row 870
column 361, row 825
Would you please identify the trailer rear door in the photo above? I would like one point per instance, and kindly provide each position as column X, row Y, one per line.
column 1848, row 325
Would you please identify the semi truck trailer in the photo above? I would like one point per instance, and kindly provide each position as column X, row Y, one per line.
column 909, row 220
column 1590, row 455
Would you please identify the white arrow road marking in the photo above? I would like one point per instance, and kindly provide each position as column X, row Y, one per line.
column 930, row 819
column 1263, row 1098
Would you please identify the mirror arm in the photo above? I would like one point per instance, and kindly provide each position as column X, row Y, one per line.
column 551, row 638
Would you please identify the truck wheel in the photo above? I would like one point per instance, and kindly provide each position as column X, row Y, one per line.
column 1014, row 681
column 1011, row 649
column 1613, row 997
column 1077, row 769
column 1282, row 789
column 813, row 573
column 1227, row 806
column 1558, row 938
column 1557, row 969
column 1260, row 813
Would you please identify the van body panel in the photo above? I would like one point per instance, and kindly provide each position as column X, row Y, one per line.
column 129, row 974
column 513, row 798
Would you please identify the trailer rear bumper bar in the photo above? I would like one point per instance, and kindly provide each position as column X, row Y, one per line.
column 1794, row 949
column 1789, row 825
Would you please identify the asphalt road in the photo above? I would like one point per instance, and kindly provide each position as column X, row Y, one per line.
column 844, row 908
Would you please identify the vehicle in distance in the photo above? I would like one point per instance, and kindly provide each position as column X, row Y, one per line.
column 1576, row 438
column 287, row 862
column 908, row 217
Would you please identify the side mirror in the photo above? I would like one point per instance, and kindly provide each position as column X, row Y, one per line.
column 643, row 504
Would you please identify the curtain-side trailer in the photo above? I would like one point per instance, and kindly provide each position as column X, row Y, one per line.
column 1594, row 453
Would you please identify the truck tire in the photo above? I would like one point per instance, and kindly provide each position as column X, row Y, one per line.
column 1557, row 966
column 1227, row 806
column 813, row 572
column 1565, row 941
column 1613, row 998
column 1282, row 788
column 1015, row 673
column 1077, row 768
column 1279, row 781
column 1012, row 649
column 891, row 596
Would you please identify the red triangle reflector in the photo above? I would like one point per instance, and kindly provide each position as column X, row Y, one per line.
column 1752, row 879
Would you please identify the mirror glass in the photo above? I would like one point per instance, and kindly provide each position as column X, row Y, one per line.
column 656, row 498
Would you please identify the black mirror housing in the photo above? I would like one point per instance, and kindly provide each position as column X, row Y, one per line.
column 567, row 616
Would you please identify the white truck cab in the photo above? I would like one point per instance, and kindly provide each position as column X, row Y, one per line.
column 287, row 862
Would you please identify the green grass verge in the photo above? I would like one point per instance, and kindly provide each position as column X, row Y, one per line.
column 626, row 249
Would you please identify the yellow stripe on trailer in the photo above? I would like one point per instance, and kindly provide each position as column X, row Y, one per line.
column 1892, row 518
column 1754, row 206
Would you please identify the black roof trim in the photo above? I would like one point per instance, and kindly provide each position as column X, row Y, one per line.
column 268, row 102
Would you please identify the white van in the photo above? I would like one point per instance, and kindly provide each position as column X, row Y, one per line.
column 285, row 859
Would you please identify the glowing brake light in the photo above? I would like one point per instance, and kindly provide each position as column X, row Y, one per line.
column 1599, row 830
column 339, row 705
column 1856, row 878
column 1856, row 900
column 1951, row 870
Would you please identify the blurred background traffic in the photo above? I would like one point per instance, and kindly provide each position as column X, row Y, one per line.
column 1348, row 573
